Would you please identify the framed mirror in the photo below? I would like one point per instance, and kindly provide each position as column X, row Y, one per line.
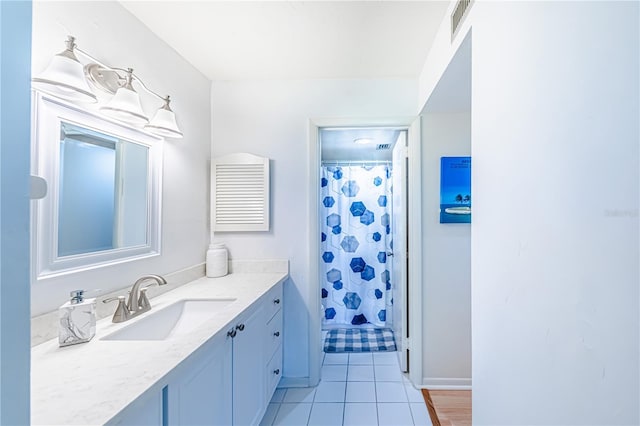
column 104, row 190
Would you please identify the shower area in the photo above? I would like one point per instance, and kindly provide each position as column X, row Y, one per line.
column 356, row 241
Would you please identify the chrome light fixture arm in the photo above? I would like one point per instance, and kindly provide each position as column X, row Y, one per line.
column 109, row 80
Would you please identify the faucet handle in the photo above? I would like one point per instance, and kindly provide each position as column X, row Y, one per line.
column 122, row 313
column 143, row 300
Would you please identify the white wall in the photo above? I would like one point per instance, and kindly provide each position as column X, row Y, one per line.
column 271, row 118
column 15, row 351
column 446, row 256
column 555, row 233
column 111, row 34
column 441, row 53
column 446, row 260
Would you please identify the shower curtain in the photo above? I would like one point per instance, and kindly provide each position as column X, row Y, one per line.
column 356, row 237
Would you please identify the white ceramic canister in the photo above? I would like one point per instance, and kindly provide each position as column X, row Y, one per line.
column 217, row 261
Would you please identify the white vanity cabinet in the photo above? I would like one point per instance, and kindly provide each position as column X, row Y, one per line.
column 221, row 370
column 231, row 379
column 257, row 358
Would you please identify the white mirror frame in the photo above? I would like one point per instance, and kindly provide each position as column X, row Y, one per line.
column 48, row 113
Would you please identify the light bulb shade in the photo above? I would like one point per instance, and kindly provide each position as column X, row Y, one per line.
column 164, row 124
column 64, row 78
column 125, row 106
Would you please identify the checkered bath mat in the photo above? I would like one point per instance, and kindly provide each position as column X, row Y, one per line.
column 359, row 340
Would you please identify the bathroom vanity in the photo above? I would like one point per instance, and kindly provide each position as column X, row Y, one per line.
column 220, row 368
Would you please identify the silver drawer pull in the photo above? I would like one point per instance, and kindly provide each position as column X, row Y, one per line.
column 276, row 371
column 277, row 334
column 276, row 301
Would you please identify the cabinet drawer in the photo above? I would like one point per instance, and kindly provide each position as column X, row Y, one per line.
column 273, row 301
column 274, row 335
column 274, row 372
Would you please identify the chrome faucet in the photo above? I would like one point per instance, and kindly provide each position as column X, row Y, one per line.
column 138, row 302
column 133, row 304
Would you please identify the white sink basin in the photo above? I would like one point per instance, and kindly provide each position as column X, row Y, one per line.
column 177, row 319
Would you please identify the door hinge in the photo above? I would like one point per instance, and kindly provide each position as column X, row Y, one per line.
column 405, row 342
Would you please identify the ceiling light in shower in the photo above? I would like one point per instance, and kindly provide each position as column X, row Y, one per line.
column 363, row 141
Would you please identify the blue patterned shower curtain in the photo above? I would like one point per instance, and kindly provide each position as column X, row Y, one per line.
column 356, row 236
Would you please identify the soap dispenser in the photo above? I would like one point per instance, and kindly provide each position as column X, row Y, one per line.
column 77, row 320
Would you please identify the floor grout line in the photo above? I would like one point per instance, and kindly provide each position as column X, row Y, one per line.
column 310, row 409
column 275, row 416
column 374, row 362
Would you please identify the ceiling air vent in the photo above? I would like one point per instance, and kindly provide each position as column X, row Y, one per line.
column 383, row 146
column 459, row 12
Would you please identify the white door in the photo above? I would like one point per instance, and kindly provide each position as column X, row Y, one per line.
column 399, row 253
column 202, row 395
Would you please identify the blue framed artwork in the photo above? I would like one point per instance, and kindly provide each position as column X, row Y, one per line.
column 455, row 190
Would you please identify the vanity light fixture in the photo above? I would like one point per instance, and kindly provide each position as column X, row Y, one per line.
column 125, row 104
column 67, row 78
column 64, row 77
column 164, row 122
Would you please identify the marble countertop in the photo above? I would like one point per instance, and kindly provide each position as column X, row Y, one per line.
column 89, row 383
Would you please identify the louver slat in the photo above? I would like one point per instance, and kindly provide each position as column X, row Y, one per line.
column 240, row 198
column 459, row 12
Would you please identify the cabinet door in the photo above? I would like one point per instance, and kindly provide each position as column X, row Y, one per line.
column 248, row 369
column 202, row 395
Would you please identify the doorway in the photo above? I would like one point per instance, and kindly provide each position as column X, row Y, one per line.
column 357, row 217
column 355, row 250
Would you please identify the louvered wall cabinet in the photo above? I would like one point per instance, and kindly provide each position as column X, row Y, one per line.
column 240, row 193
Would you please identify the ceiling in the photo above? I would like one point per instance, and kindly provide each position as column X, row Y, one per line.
column 339, row 144
column 238, row 40
column 235, row 40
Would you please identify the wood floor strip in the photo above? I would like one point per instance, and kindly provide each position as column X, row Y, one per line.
column 448, row 408
column 432, row 409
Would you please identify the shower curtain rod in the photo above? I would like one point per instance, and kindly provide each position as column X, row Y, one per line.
column 357, row 163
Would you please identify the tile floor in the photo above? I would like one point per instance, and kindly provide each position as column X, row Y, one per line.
column 355, row 389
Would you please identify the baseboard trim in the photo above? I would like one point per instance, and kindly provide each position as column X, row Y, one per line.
column 442, row 383
column 294, row 382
